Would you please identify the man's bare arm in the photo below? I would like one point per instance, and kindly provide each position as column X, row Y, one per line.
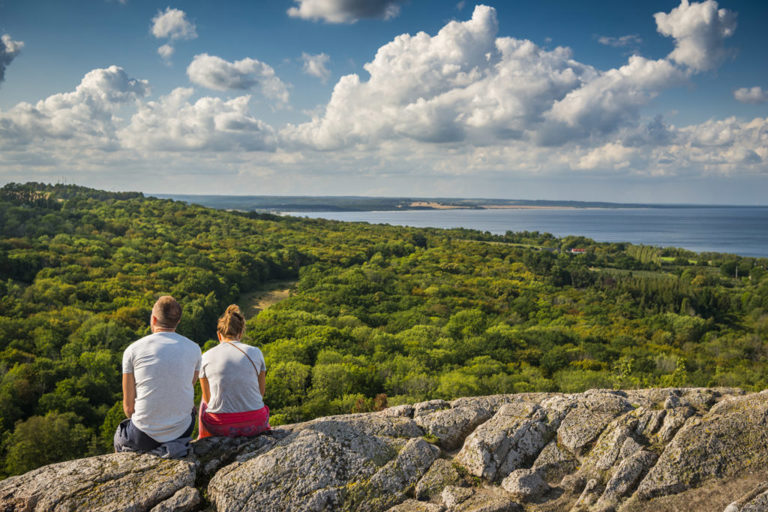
column 262, row 382
column 129, row 394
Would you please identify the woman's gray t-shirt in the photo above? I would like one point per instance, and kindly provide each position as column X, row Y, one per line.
column 233, row 381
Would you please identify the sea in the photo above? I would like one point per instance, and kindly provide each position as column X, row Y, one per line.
column 725, row 229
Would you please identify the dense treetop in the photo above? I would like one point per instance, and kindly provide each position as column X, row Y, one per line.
column 379, row 314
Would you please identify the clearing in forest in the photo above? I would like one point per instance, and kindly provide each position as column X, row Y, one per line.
column 271, row 293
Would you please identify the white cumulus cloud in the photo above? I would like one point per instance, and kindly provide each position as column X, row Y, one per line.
column 699, row 31
column 613, row 98
column 755, row 95
column 246, row 74
column 9, row 49
column 344, row 11
column 174, row 123
column 316, row 65
column 465, row 85
column 173, row 24
column 85, row 116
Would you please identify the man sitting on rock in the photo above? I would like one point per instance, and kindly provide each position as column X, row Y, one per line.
column 159, row 372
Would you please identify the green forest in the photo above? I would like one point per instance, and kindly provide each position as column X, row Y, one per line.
column 379, row 315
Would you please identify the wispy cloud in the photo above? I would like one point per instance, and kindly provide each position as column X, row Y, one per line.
column 317, row 65
column 621, row 41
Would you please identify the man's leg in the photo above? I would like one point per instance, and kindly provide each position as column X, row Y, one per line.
column 128, row 438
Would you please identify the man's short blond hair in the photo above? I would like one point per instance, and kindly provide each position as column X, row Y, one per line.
column 167, row 311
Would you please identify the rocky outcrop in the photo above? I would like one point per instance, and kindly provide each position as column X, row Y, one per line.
column 120, row 481
column 639, row 450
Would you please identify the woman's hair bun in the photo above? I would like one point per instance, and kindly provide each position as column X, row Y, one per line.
column 233, row 309
column 232, row 323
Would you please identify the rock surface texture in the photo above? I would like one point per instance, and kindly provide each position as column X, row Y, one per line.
column 625, row 451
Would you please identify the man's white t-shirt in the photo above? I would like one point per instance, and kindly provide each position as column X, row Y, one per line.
column 232, row 379
column 163, row 365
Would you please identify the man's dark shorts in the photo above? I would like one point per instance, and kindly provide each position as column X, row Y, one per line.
column 129, row 438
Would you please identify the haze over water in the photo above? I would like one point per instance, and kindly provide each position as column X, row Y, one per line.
column 737, row 230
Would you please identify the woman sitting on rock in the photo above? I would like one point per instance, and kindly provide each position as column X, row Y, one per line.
column 232, row 379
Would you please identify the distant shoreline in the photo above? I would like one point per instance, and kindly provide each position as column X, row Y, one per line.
column 298, row 204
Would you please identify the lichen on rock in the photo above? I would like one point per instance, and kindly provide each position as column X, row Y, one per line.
column 627, row 451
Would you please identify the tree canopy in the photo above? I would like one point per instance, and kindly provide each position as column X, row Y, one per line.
column 379, row 315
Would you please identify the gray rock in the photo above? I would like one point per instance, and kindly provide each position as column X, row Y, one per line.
column 649, row 421
column 439, row 475
column 756, row 500
column 673, row 420
column 308, row 470
column 405, row 411
column 525, row 485
column 213, row 453
column 453, row 495
column 603, row 450
column 608, row 446
column 390, row 483
column 326, row 463
column 513, row 437
column 119, row 481
column 629, row 448
column 492, row 403
column 489, row 499
column 592, row 412
column 451, row 426
column 731, row 437
column 589, row 496
column 757, row 504
column 416, row 506
column 624, row 479
column 553, row 463
column 649, row 398
column 370, row 424
column 430, row 406
column 185, row 500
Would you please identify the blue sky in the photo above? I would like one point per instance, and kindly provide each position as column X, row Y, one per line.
column 656, row 101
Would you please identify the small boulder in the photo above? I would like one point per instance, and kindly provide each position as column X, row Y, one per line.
column 451, row 426
column 525, row 485
column 439, row 475
column 593, row 411
column 185, row 500
column 554, row 462
column 416, row 506
column 513, row 437
column 452, row 495
column 390, row 483
column 624, row 479
column 428, row 407
column 489, row 499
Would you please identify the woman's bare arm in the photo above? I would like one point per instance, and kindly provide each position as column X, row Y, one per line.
column 206, row 390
